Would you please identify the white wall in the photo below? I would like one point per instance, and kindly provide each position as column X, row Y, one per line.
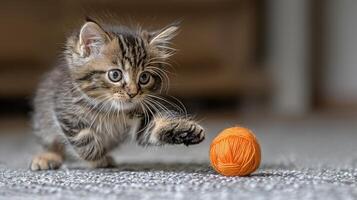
column 287, row 23
column 341, row 53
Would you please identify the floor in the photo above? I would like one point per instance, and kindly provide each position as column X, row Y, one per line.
column 309, row 158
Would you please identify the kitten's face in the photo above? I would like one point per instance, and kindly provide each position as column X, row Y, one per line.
column 120, row 67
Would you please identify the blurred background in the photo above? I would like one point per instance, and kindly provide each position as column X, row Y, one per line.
column 286, row 57
column 261, row 63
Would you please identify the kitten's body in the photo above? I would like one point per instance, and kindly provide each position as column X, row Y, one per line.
column 56, row 108
column 79, row 110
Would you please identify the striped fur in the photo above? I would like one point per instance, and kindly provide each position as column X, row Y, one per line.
column 82, row 109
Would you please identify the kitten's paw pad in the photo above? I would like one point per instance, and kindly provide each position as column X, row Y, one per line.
column 194, row 135
column 46, row 161
column 185, row 132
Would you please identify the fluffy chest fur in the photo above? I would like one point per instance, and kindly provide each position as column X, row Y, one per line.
column 110, row 124
column 114, row 128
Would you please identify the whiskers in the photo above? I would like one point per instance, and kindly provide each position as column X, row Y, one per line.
column 159, row 67
column 106, row 108
column 173, row 105
column 154, row 106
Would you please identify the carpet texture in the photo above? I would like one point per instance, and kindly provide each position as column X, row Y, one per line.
column 178, row 181
column 306, row 159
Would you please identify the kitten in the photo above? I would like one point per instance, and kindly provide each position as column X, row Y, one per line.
column 105, row 92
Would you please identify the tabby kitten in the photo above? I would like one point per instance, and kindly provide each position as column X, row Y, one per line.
column 105, row 92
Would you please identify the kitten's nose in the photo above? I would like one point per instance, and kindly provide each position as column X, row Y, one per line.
column 132, row 95
column 131, row 90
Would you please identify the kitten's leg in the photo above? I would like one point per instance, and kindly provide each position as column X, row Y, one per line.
column 90, row 148
column 171, row 130
column 49, row 160
column 105, row 162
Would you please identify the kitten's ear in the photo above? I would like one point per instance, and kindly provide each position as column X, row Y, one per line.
column 163, row 36
column 92, row 38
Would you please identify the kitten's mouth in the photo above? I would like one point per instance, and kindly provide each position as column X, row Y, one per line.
column 132, row 101
column 121, row 100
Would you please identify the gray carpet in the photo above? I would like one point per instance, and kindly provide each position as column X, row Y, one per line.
column 178, row 181
column 302, row 159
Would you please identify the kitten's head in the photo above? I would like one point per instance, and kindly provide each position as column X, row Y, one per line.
column 118, row 64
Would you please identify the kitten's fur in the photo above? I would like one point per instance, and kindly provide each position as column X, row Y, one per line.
column 83, row 107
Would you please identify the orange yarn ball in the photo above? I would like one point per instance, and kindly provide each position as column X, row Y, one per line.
column 235, row 152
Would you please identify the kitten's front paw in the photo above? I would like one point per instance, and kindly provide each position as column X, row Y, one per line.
column 46, row 161
column 183, row 132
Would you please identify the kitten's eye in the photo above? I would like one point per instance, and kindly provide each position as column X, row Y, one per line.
column 144, row 78
column 115, row 75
